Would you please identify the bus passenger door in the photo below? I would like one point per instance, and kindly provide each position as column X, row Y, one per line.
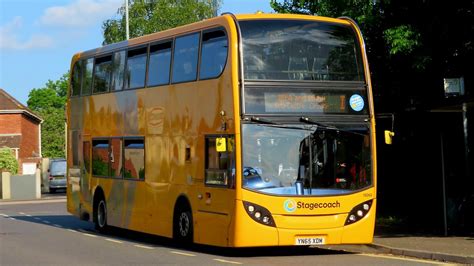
column 217, row 196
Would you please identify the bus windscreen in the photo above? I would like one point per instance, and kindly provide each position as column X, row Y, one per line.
column 300, row 50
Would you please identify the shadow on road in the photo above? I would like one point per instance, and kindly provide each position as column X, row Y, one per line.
column 71, row 222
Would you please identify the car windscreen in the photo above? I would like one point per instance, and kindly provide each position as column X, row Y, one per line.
column 58, row 168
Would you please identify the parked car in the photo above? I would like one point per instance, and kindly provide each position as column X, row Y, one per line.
column 57, row 174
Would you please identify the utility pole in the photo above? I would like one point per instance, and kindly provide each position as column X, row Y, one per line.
column 126, row 20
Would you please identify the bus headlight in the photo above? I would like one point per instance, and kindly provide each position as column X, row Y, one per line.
column 259, row 214
column 358, row 212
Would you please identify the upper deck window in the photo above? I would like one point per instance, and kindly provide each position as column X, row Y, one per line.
column 300, row 50
column 87, row 76
column 102, row 72
column 159, row 65
column 185, row 58
column 213, row 54
column 76, row 78
column 118, row 71
column 136, row 68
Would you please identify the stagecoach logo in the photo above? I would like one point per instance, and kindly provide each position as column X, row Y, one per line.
column 289, row 205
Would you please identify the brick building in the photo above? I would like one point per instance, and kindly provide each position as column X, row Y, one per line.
column 20, row 130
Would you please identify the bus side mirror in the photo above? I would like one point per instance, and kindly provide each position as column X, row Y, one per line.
column 388, row 136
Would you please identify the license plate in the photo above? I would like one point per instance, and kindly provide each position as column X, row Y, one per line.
column 308, row 241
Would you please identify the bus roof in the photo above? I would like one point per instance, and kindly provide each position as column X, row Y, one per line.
column 170, row 33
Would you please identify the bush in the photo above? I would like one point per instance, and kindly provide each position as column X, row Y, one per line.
column 8, row 161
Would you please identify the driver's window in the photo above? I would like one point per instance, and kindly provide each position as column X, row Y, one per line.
column 220, row 163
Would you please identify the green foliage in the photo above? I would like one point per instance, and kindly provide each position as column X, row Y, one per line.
column 360, row 10
column 53, row 95
column 147, row 17
column 49, row 102
column 53, row 132
column 402, row 39
column 8, row 161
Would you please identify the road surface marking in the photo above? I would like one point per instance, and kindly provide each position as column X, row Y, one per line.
column 4, row 215
column 70, row 230
column 11, row 218
column 43, row 201
column 22, row 213
column 113, row 240
column 36, row 218
column 403, row 258
column 182, row 253
column 89, row 235
column 57, row 225
column 84, row 231
column 145, row 247
column 46, row 222
column 228, row 261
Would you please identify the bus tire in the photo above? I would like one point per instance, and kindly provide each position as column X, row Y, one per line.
column 183, row 224
column 100, row 215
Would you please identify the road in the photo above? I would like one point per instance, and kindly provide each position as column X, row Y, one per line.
column 42, row 232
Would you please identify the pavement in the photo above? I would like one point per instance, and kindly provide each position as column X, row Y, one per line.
column 455, row 249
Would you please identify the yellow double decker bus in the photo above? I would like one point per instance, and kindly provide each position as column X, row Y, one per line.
column 236, row 131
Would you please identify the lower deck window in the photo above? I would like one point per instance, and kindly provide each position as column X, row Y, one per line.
column 134, row 155
column 100, row 157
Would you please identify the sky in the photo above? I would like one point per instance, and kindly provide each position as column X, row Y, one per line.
column 39, row 37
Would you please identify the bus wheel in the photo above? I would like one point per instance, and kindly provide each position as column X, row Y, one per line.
column 100, row 216
column 183, row 225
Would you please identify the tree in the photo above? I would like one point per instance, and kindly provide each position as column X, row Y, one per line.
column 411, row 45
column 8, row 162
column 147, row 17
column 50, row 103
column 53, row 95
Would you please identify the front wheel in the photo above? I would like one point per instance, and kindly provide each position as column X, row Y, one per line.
column 183, row 225
column 100, row 219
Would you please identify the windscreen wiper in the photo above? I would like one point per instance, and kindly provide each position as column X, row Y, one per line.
column 265, row 122
column 260, row 120
column 310, row 121
column 319, row 125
